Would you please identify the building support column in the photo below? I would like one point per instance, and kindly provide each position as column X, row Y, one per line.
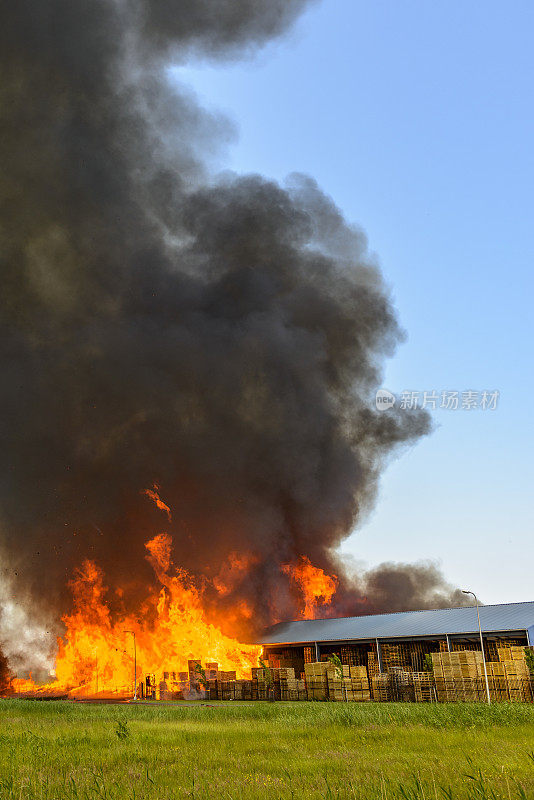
column 317, row 652
column 379, row 654
column 448, row 642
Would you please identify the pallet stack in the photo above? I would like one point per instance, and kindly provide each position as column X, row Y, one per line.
column 518, row 680
column 359, row 683
column 288, row 683
column 423, row 686
column 497, row 680
column 391, row 657
column 372, row 669
column 401, row 685
column 316, row 680
column 381, row 687
column 457, row 675
column 338, row 685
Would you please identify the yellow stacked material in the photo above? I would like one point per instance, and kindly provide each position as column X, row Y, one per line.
column 316, row 669
column 504, row 652
column 423, row 684
column 336, row 689
column 518, row 680
column 511, row 652
column 309, row 654
column 357, row 685
column 497, row 680
column 391, row 656
column 288, row 683
column 456, row 675
column 286, row 673
column 372, row 668
column 460, row 676
column 358, row 672
column 381, row 687
column 227, row 676
column 316, row 680
column 518, row 653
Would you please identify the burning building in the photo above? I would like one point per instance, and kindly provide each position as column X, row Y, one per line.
column 189, row 360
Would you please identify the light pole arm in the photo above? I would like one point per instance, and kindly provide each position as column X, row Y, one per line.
column 488, row 698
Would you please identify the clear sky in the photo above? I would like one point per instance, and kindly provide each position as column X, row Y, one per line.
column 417, row 118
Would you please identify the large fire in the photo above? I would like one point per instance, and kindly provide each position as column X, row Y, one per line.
column 98, row 652
column 316, row 586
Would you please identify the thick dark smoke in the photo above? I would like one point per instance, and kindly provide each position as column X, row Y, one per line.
column 221, row 336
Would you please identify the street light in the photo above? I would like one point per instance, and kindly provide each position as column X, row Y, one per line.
column 135, row 664
column 481, row 645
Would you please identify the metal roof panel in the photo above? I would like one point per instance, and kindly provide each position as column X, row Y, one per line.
column 438, row 622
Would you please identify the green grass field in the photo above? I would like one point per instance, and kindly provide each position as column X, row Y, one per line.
column 56, row 750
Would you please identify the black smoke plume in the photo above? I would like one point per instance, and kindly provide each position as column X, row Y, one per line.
column 221, row 336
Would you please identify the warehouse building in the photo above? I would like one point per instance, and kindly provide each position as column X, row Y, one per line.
column 399, row 640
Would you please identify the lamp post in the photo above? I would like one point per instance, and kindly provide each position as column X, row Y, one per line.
column 465, row 591
column 135, row 664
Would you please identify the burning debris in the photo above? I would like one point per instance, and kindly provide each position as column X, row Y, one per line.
column 216, row 338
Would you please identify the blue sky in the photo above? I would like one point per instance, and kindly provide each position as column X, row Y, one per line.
column 417, row 118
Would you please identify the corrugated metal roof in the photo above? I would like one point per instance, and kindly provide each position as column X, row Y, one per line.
column 506, row 617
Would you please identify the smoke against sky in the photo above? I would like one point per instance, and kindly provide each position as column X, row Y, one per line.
column 219, row 335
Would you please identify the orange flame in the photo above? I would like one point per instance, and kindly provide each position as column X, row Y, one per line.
column 97, row 651
column 96, row 655
column 153, row 494
column 316, row 585
column 233, row 571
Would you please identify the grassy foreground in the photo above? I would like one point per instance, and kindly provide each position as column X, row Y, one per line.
column 56, row 750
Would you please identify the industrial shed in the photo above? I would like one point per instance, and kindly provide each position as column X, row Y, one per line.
column 402, row 639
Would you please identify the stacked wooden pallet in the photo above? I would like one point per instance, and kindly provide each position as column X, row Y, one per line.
column 338, row 685
column 518, row 680
column 372, row 669
column 262, row 681
column 401, row 685
column 392, row 656
column 423, row 686
column 359, row 684
column 288, row 683
column 381, row 687
column 457, row 675
column 316, row 680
